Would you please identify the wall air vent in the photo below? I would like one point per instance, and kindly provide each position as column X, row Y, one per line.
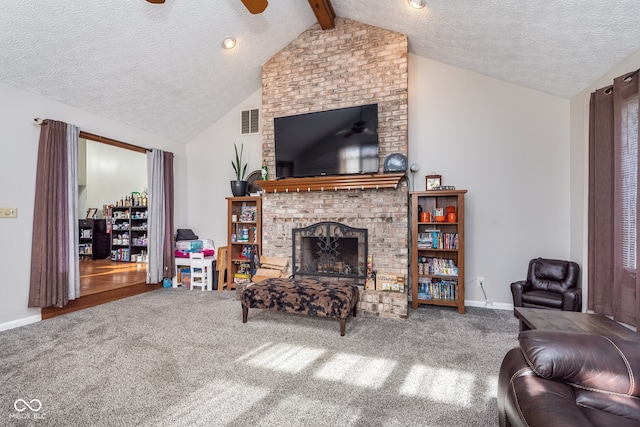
column 250, row 121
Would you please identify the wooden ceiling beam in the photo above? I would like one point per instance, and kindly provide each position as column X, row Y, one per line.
column 324, row 13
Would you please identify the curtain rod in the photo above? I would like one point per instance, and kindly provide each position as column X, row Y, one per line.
column 103, row 139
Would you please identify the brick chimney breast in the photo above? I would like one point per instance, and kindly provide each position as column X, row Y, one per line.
column 352, row 64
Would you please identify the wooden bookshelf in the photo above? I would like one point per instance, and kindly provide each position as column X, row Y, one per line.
column 243, row 213
column 444, row 286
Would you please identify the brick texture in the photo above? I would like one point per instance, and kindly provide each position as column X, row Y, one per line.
column 352, row 64
column 383, row 304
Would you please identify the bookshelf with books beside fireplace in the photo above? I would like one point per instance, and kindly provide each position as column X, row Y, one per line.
column 437, row 248
column 244, row 239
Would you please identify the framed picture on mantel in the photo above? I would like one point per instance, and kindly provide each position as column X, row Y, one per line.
column 433, row 181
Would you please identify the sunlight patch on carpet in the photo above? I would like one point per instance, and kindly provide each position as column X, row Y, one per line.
column 300, row 411
column 217, row 403
column 353, row 369
column 491, row 387
column 439, row 384
column 282, row 357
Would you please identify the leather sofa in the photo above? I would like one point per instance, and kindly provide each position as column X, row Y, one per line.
column 570, row 379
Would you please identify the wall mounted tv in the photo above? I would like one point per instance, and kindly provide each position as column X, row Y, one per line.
column 332, row 142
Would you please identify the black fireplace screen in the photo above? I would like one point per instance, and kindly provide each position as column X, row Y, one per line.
column 330, row 249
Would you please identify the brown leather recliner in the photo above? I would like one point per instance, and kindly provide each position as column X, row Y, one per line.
column 550, row 283
column 570, row 379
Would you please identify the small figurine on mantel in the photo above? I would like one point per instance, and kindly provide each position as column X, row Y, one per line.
column 265, row 170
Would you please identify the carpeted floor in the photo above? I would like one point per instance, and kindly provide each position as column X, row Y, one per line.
column 174, row 357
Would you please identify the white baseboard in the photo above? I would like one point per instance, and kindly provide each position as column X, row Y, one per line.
column 20, row 322
column 489, row 304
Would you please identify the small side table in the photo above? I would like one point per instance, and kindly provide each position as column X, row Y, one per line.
column 185, row 262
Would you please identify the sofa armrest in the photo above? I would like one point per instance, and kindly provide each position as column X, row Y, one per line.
column 521, row 403
column 517, row 288
column 572, row 300
column 535, row 401
column 513, row 364
column 584, row 360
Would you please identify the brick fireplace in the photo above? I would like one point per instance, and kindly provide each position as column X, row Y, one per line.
column 352, row 64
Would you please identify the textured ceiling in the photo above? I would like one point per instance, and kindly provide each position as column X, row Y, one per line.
column 160, row 68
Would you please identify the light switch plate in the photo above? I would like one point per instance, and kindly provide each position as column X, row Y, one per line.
column 8, row 212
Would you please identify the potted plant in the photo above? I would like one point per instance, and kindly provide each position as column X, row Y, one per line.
column 239, row 185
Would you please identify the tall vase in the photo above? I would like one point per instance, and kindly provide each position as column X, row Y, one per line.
column 239, row 188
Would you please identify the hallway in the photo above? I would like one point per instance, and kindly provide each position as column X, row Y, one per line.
column 103, row 281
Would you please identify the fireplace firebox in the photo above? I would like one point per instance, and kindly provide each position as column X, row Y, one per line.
column 330, row 250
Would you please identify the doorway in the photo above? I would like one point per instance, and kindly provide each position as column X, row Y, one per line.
column 111, row 175
column 108, row 170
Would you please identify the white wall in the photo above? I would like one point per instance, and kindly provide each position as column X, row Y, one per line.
column 509, row 147
column 112, row 173
column 579, row 163
column 19, row 147
column 209, row 156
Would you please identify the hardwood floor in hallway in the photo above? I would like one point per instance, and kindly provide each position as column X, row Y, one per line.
column 103, row 281
column 102, row 275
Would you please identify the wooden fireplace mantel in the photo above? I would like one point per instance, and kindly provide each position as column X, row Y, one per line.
column 332, row 183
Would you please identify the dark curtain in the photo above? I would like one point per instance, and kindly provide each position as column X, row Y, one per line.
column 49, row 282
column 167, row 252
column 613, row 200
column 161, row 204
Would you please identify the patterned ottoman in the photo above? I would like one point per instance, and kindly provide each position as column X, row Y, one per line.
column 304, row 296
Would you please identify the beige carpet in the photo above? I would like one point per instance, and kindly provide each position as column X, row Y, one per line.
column 174, row 357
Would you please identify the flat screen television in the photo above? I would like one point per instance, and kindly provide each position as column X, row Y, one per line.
column 331, row 142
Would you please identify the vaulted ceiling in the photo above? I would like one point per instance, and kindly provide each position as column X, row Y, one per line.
column 161, row 68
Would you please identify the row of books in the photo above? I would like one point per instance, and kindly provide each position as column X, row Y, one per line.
column 443, row 289
column 434, row 239
column 437, row 266
column 249, row 213
column 243, row 274
column 121, row 255
column 246, row 269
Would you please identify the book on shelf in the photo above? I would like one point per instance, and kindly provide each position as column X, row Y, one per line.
column 435, row 239
column 424, row 288
column 437, row 266
column 441, row 289
column 248, row 213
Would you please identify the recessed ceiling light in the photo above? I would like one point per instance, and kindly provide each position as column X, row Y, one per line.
column 417, row 4
column 228, row 43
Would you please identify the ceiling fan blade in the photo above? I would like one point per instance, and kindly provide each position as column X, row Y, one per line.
column 156, row 1
column 255, row 6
